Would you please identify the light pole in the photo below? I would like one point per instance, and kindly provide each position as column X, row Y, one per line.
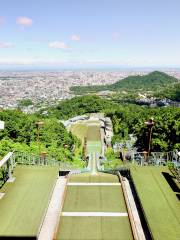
column 85, row 148
column 43, row 157
column 39, row 124
column 2, row 125
column 150, row 123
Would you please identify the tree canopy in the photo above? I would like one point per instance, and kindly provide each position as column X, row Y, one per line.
column 21, row 134
column 128, row 119
column 20, row 131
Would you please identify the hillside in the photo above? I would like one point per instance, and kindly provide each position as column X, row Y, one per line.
column 152, row 81
column 79, row 106
column 171, row 92
column 127, row 119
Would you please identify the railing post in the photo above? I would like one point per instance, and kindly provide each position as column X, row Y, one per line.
column 33, row 161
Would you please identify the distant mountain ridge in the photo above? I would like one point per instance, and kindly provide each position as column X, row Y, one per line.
column 151, row 81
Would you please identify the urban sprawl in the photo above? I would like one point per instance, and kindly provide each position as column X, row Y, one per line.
column 46, row 88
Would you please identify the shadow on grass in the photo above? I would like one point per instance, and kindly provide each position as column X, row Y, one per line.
column 178, row 196
column 143, row 218
column 171, row 182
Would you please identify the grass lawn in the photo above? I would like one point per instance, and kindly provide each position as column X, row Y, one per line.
column 94, row 228
column 25, row 201
column 161, row 206
column 94, row 199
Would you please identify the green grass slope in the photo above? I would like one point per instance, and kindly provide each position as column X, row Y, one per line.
column 25, row 201
column 159, row 201
column 99, row 178
column 95, row 228
column 87, row 129
column 95, row 199
column 79, row 130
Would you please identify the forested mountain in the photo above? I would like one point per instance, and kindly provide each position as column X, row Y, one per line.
column 152, row 81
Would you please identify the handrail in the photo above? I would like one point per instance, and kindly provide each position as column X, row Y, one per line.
column 6, row 158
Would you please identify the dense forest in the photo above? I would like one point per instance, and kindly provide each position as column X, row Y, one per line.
column 79, row 106
column 20, row 131
column 171, row 92
column 21, row 134
column 155, row 81
column 128, row 119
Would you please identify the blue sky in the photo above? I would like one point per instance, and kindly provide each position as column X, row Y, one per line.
column 131, row 33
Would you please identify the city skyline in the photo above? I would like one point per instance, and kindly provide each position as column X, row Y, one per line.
column 83, row 34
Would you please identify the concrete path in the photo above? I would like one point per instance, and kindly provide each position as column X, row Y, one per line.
column 52, row 216
column 132, row 210
column 94, row 214
column 92, row 184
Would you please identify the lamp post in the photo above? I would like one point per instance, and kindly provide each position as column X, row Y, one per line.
column 39, row 124
column 43, row 157
column 150, row 123
column 2, row 125
column 85, row 148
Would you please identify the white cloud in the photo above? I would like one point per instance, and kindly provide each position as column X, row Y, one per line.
column 24, row 21
column 41, row 61
column 31, row 61
column 75, row 37
column 58, row 45
column 6, row 45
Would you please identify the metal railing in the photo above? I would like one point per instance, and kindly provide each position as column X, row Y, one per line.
column 142, row 159
column 32, row 159
column 155, row 158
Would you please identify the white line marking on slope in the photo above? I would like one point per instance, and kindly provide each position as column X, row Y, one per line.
column 93, row 184
column 94, row 214
column 1, row 195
